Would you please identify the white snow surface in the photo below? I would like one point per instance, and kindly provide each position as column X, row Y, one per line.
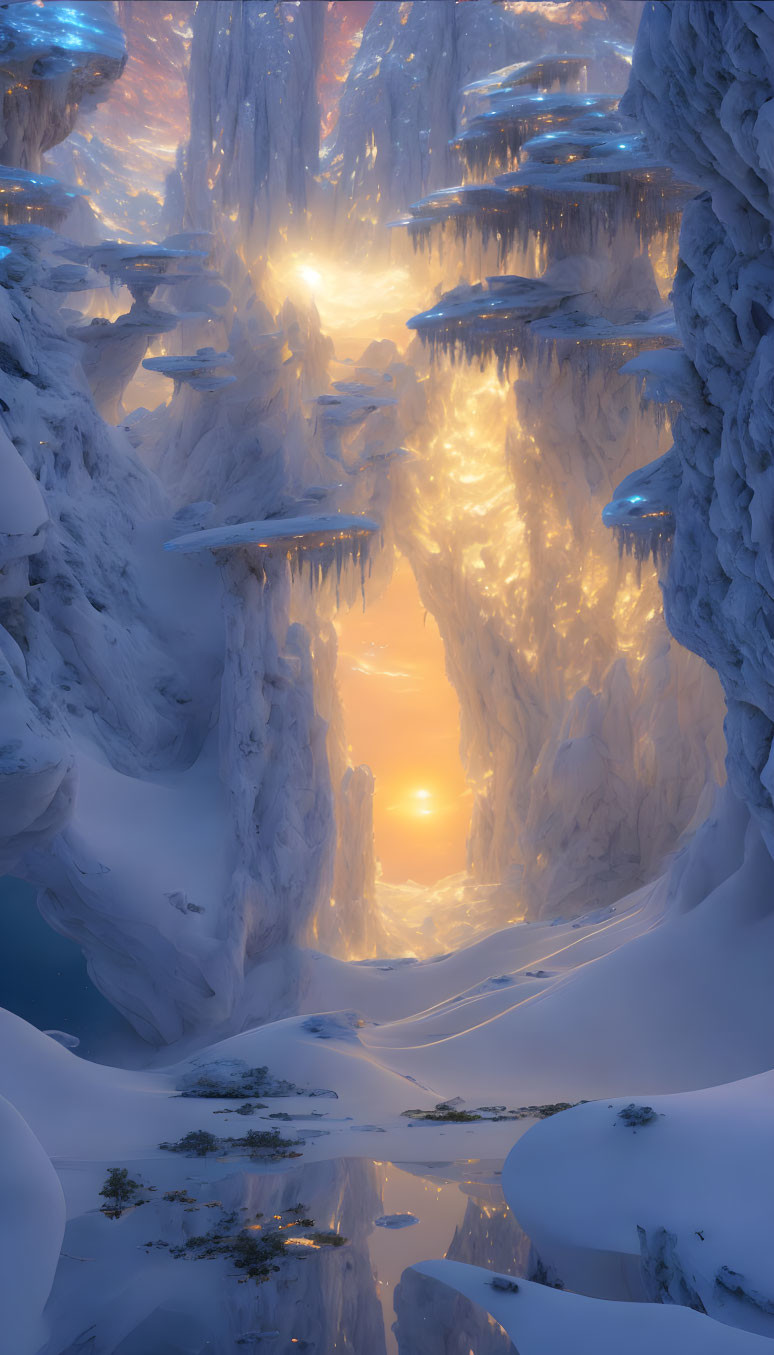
column 687, row 1192
column 32, row 1220
column 541, row 1320
column 316, row 529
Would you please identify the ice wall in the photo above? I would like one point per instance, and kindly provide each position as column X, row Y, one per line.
column 255, row 118
column 702, row 85
column 580, row 721
column 165, row 770
column 278, row 442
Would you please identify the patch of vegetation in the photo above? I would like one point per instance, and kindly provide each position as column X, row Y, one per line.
column 196, row 1143
column 119, row 1192
column 543, row 1112
column 179, row 1197
column 635, row 1116
column 249, row 1108
column 443, row 1112
column 264, row 1143
column 233, row 1080
column 450, row 1112
column 327, row 1239
column 256, row 1249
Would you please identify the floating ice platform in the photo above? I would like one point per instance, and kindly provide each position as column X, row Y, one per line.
column 496, row 136
column 317, row 543
column 198, row 370
column 27, row 197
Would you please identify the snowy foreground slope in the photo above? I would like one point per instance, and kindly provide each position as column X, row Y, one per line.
column 533, row 1015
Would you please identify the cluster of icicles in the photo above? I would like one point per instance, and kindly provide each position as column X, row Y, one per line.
column 520, row 318
column 314, row 545
column 573, row 170
column 586, row 174
column 642, row 514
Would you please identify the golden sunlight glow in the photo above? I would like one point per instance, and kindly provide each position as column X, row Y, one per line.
column 355, row 301
column 575, row 13
column 403, row 720
column 496, row 537
column 311, row 277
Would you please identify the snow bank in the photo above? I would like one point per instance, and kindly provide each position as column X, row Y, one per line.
column 32, row 1219
column 686, row 1192
column 539, row 1319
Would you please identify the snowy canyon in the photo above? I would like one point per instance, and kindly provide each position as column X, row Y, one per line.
column 386, row 617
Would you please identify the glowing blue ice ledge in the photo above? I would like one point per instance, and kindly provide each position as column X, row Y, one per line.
column 57, row 37
column 642, row 514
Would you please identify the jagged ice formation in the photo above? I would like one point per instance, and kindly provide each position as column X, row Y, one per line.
column 719, row 589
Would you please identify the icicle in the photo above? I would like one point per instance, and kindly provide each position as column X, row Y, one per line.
column 607, row 180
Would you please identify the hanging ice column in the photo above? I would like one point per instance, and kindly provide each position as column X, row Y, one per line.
column 572, row 742
column 272, row 741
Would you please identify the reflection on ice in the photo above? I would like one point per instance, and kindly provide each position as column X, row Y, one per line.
column 434, row 1320
column 134, row 1297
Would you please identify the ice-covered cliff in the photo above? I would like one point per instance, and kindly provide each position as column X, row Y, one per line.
column 255, row 117
column 703, row 85
column 588, row 722
column 166, row 780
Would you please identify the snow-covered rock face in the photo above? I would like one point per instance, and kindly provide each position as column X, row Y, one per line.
column 702, row 84
column 164, row 778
